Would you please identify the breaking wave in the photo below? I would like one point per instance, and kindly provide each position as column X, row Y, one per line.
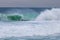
column 49, row 15
column 11, row 17
column 34, row 29
column 17, row 15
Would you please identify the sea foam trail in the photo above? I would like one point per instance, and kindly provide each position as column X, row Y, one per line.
column 18, row 29
column 51, row 15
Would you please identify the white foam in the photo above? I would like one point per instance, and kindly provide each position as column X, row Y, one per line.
column 19, row 29
column 30, row 28
column 53, row 14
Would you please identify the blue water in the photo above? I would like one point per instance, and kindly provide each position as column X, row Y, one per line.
column 34, row 26
column 32, row 38
column 28, row 13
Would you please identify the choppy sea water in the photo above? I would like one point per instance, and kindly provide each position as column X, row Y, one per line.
column 29, row 30
column 43, row 25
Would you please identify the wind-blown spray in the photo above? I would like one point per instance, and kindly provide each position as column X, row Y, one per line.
column 49, row 15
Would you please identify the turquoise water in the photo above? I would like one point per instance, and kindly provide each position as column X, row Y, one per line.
column 29, row 24
column 18, row 17
column 28, row 14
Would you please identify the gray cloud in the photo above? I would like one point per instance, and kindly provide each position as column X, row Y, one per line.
column 29, row 3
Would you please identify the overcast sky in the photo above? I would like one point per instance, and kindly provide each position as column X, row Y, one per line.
column 29, row 3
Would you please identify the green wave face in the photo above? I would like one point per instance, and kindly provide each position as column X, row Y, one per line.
column 18, row 15
column 5, row 17
column 30, row 16
column 14, row 18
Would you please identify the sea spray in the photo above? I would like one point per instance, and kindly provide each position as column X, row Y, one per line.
column 31, row 28
column 49, row 15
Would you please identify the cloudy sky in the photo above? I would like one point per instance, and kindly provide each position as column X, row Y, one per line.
column 29, row 3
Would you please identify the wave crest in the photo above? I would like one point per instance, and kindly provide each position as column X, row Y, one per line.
column 53, row 14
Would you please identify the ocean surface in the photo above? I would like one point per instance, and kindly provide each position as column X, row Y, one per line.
column 29, row 23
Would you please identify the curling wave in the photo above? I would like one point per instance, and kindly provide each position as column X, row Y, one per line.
column 32, row 28
column 17, row 14
column 11, row 17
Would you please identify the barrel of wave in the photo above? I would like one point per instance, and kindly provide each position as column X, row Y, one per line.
column 11, row 17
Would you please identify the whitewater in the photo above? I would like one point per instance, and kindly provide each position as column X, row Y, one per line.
column 47, row 23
